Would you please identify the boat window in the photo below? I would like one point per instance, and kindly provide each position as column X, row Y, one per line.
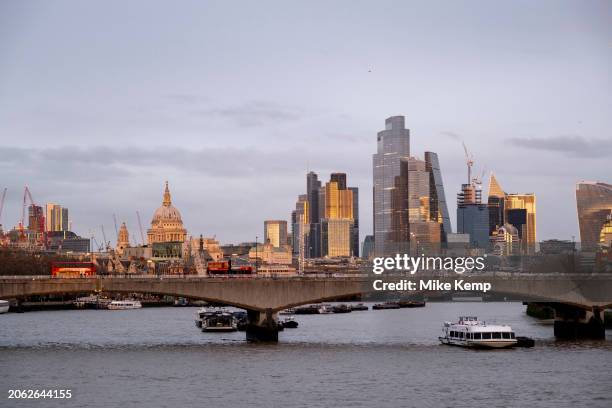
column 452, row 333
column 506, row 335
column 512, row 335
column 486, row 335
column 477, row 336
column 497, row 335
column 461, row 335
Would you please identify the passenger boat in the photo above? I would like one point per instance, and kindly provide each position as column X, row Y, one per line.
column 124, row 305
column 219, row 321
column 471, row 332
column 386, row 305
column 359, row 306
column 289, row 311
column 4, row 306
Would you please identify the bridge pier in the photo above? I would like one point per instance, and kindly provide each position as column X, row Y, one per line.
column 262, row 326
column 575, row 323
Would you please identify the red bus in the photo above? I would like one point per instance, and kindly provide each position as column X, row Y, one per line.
column 69, row 269
column 225, row 268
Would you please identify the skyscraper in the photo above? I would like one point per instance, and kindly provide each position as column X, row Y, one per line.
column 393, row 145
column 520, row 211
column 313, row 185
column 337, row 224
column 495, row 203
column 275, row 233
column 594, row 204
column 56, row 217
column 355, row 238
column 473, row 216
column 437, row 199
column 300, row 225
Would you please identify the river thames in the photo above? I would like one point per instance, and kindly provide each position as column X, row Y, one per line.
column 156, row 357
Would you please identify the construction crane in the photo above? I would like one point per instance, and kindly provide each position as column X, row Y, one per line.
column 2, row 204
column 140, row 227
column 469, row 160
column 106, row 243
column 116, row 230
column 40, row 228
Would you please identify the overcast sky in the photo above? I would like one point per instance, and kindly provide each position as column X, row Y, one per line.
column 232, row 103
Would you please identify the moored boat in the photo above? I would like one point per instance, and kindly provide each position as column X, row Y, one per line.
column 386, row 305
column 124, row 305
column 359, row 307
column 309, row 309
column 342, row 308
column 4, row 306
column 410, row 304
column 471, row 332
column 219, row 321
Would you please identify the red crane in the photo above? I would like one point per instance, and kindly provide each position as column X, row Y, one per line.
column 39, row 217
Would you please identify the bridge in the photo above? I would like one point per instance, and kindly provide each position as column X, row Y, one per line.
column 578, row 299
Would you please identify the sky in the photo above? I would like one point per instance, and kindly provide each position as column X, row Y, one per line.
column 233, row 102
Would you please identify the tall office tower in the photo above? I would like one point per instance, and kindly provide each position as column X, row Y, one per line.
column 594, row 204
column 393, row 145
column 473, row 216
column 355, row 238
column 337, row 222
column 520, row 211
column 438, row 209
column 300, row 225
column 313, row 185
column 425, row 234
column 65, row 223
column 495, row 203
column 36, row 218
column 56, row 217
column 275, row 233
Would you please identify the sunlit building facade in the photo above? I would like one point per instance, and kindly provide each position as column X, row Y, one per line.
column 167, row 233
column 337, row 226
column 520, row 211
column 56, row 217
column 594, row 205
column 336, row 237
column 275, row 232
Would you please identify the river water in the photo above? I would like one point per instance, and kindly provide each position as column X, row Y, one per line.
column 390, row 358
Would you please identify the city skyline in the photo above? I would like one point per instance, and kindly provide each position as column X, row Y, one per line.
column 112, row 118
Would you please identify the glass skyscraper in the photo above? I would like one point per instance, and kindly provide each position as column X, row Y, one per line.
column 437, row 198
column 594, row 204
column 393, row 145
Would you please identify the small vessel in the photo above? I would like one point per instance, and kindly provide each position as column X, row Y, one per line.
column 309, row 309
column 386, row 305
column 326, row 309
column 342, row 308
column 289, row 323
column 4, row 306
column 471, row 332
column 359, row 306
column 181, row 302
column 289, row 311
column 219, row 321
column 92, row 302
column 410, row 303
column 124, row 305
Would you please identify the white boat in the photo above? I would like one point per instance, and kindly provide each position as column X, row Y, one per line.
column 218, row 321
column 326, row 308
column 124, row 305
column 4, row 306
column 471, row 332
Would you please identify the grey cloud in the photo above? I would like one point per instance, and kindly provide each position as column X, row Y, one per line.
column 571, row 145
column 253, row 113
